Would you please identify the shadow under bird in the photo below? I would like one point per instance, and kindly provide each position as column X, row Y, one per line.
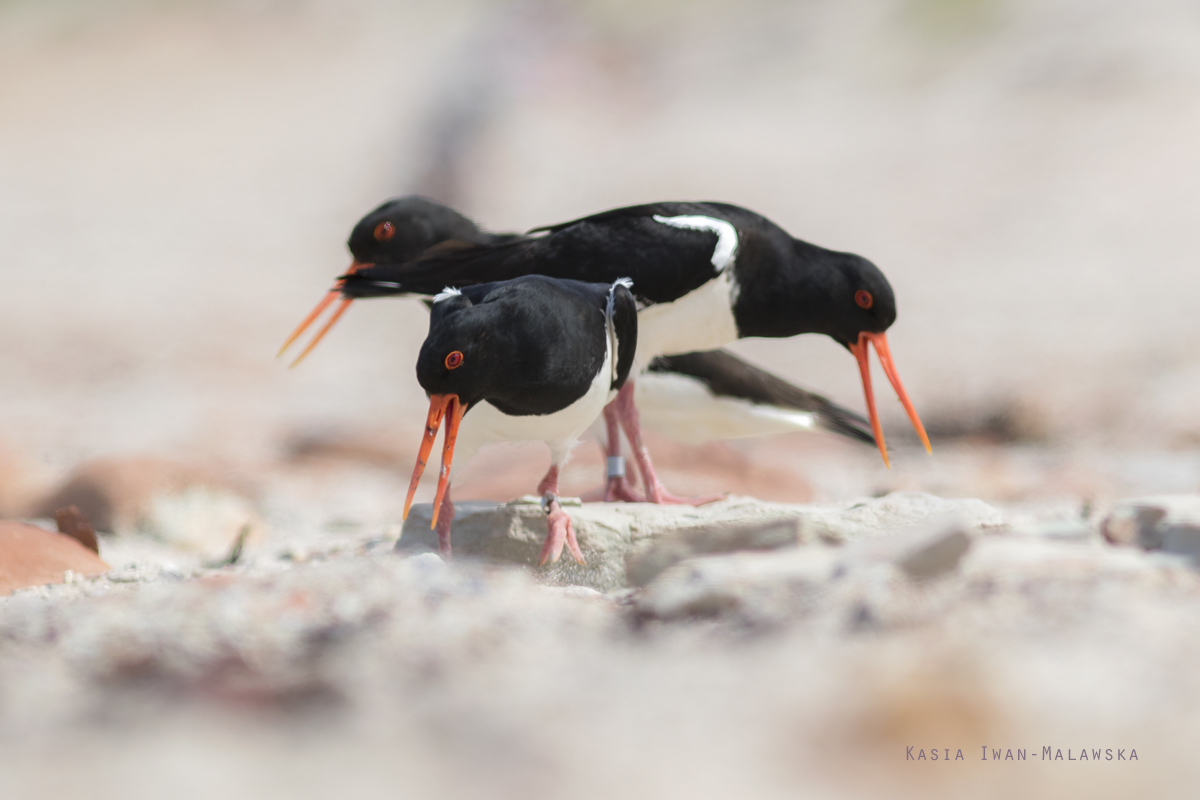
column 533, row 358
column 704, row 275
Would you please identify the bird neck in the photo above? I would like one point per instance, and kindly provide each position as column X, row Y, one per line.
column 786, row 290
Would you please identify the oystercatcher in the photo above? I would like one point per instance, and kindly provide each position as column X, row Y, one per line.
column 397, row 232
column 704, row 273
column 533, row 358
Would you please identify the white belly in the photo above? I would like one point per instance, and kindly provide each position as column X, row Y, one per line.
column 700, row 320
column 484, row 423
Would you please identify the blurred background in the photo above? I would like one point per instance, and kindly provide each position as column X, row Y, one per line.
column 177, row 180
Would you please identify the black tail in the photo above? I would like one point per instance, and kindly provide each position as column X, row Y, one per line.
column 727, row 375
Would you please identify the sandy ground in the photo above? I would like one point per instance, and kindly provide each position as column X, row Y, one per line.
column 177, row 181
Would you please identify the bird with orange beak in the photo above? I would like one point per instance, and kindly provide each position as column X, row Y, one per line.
column 529, row 359
column 704, row 275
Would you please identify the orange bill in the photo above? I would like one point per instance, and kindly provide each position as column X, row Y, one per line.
column 862, row 353
column 316, row 312
column 437, row 409
column 454, row 415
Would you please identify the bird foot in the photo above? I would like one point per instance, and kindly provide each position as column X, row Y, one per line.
column 559, row 531
column 659, row 494
column 619, row 489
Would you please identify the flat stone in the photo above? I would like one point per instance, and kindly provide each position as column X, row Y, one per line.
column 631, row 543
column 31, row 556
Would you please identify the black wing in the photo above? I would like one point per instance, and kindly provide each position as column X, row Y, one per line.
column 624, row 315
column 664, row 262
column 727, row 375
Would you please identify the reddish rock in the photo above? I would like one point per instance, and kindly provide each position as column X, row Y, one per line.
column 114, row 492
column 30, row 556
column 71, row 522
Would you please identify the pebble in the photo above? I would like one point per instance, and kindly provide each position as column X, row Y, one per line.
column 1168, row 523
column 31, row 556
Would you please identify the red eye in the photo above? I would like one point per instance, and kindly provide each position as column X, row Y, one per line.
column 384, row 231
column 864, row 299
column 454, row 360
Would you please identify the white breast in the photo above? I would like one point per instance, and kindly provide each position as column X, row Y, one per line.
column 703, row 318
column 700, row 320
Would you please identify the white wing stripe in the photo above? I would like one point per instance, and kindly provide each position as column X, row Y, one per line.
column 727, row 238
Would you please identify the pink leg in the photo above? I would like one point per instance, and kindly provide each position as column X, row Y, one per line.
column 559, row 530
column 618, row 486
column 655, row 492
column 550, row 482
column 445, row 517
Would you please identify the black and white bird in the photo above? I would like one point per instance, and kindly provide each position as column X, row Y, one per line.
column 714, row 395
column 533, row 358
column 692, row 398
column 407, row 228
column 704, row 274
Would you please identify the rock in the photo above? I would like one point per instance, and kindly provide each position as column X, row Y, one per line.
column 1170, row 523
column 777, row 585
column 921, row 552
column 175, row 503
column 671, row 548
column 1134, row 524
column 513, row 533
column 1182, row 539
column 896, row 511
column 31, row 556
column 935, row 554
column 750, row 584
column 71, row 522
column 631, row 543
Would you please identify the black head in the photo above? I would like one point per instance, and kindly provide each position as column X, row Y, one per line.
column 528, row 346
column 787, row 287
column 790, row 287
column 397, row 232
column 402, row 229
column 465, row 351
column 860, row 298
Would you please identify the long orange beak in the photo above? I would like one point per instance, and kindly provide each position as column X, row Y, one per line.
column 863, row 354
column 316, row 312
column 450, row 407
